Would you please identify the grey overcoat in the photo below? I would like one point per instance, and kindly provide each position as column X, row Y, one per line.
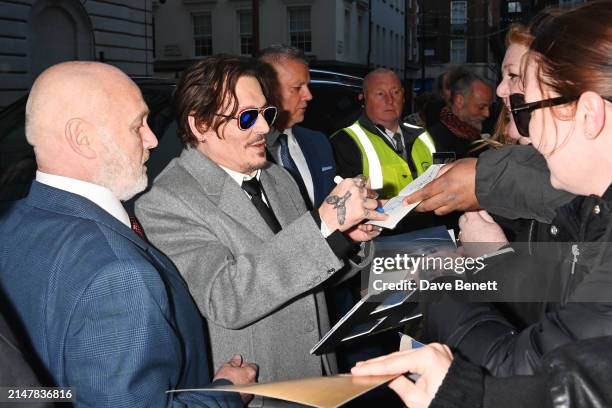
column 259, row 292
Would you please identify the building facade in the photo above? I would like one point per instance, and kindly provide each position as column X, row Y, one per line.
column 469, row 33
column 350, row 36
column 35, row 34
column 452, row 33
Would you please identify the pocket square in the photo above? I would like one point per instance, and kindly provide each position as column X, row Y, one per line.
column 326, row 168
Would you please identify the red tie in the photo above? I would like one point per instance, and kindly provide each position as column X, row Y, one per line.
column 137, row 228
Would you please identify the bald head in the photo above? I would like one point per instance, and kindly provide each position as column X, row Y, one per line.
column 383, row 98
column 378, row 74
column 87, row 120
column 75, row 89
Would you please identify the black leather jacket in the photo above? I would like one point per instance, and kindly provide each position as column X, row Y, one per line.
column 575, row 375
column 579, row 282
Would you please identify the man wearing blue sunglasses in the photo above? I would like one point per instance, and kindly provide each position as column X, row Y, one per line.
column 238, row 230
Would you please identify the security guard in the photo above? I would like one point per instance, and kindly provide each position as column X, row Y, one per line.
column 378, row 145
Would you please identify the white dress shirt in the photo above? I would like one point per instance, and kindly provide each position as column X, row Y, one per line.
column 101, row 196
column 299, row 159
column 240, row 177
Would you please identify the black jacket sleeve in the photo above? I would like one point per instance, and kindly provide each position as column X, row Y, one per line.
column 347, row 155
column 575, row 375
column 467, row 385
column 480, row 333
column 514, row 182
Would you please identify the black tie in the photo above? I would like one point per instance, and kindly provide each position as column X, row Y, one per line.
column 254, row 189
column 399, row 147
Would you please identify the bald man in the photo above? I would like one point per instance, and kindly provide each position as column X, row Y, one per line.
column 106, row 313
column 378, row 144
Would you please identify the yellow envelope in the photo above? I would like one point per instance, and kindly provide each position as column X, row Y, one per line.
column 321, row 392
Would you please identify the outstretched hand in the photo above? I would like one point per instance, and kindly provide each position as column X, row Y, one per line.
column 430, row 362
column 454, row 189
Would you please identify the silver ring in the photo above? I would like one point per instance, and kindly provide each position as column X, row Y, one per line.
column 360, row 180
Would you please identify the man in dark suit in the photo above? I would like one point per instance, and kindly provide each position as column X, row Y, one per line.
column 106, row 313
column 310, row 161
column 306, row 154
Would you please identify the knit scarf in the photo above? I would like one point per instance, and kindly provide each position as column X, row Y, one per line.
column 458, row 127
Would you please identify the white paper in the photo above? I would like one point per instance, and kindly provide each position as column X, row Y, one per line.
column 394, row 207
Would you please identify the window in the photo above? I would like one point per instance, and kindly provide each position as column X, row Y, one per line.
column 399, row 47
column 347, row 32
column 458, row 12
column 300, row 34
column 458, row 51
column 245, row 28
column 570, row 3
column 409, row 37
column 361, row 33
column 378, row 45
column 383, row 48
column 202, row 35
column 514, row 7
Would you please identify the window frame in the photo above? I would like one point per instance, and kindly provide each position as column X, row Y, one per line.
column 201, row 36
column 454, row 19
column 304, row 36
column 244, row 35
column 454, row 49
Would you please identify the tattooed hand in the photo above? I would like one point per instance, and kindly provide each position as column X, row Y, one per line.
column 349, row 204
column 339, row 204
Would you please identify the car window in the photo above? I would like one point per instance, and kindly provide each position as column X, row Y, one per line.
column 333, row 107
column 17, row 162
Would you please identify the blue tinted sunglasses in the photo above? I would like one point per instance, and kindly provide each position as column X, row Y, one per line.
column 247, row 117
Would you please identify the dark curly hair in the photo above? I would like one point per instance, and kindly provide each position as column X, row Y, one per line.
column 207, row 86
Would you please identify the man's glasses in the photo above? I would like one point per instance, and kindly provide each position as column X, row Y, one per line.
column 247, row 117
column 521, row 111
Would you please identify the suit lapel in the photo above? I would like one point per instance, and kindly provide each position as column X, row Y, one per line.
column 63, row 202
column 284, row 210
column 270, row 141
column 219, row 187
column 234, row 202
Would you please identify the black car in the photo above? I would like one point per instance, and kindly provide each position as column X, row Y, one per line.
column 335, row 105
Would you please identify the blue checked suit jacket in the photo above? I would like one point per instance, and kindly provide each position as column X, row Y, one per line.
column 107, row 314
